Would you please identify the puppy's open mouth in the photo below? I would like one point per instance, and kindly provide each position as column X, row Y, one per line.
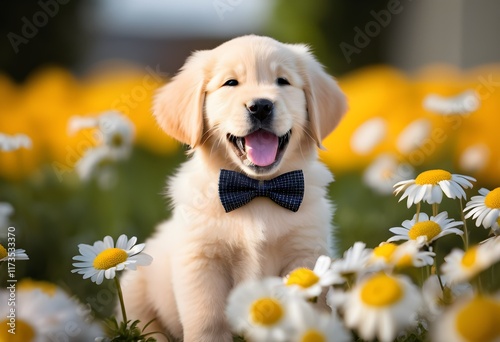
column 261, row 149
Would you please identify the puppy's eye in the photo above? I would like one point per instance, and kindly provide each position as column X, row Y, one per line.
column 230, row 83
column 282, row 81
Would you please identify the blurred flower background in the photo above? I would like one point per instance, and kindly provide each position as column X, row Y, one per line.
column 422, row 79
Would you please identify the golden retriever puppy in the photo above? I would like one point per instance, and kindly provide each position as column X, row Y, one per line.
column 261, row 108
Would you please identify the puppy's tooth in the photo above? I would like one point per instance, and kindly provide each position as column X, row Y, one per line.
column 239, row 142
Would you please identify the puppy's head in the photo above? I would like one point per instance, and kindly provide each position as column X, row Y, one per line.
column 252, row 103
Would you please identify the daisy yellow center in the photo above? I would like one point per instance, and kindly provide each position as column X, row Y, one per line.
column 405, row 261
column 117, row 140
column 381, row 290
column 492, row 199
column 24, row 331
column 3, row 252
column 313, row 336
column 109, row 258
column 425, row 228
column 30, row 285
column 432, row 177
column 479, row 320
column 266, row 311
column 469, row 257
column 302, row 277
column 385, row 251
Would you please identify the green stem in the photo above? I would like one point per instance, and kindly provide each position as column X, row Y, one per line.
column 418, row 212
column 466, row 231
column 434, row 249
column 122, row 302
column 435, row 209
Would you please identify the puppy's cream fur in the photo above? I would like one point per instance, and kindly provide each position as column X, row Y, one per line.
column 202, row 252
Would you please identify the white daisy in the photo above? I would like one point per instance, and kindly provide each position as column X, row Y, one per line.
column 260, row 310
column 310, row 325
column 14, row 142
column 469, row 319
column 17, row 254
column 103, row 259
column 116, row 132
column 382, row 306
column 44, row 312
column 413, row 136
column 475, row 158
column 466, row 102
column 462, row 266
column 310, row 283
column 384, row 172
column 368, row 135
column 6, row 211
column 96, row 161
column 423, row 227
column 429, row 187
column 354, row 261
column 408, row 254
column 485, row 209
column 115, row 129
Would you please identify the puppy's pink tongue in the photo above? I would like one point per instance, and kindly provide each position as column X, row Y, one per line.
column 261, row 147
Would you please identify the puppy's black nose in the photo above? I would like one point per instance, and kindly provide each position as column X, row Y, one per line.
column 260, row 108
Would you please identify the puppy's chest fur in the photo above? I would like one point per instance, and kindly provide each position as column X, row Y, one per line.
column 260, row 231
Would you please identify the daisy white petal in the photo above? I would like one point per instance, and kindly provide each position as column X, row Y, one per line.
column 141, row 259
column 122, row 242
column 131, row 242
column 136, row 249
column 14, row 142
column 86, row 250
column 99, row 277
column 322, row 264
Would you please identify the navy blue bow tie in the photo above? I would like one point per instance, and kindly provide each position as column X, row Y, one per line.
column 236, row 189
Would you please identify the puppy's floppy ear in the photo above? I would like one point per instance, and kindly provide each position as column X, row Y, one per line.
column 326, row 103
column 178, row 106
